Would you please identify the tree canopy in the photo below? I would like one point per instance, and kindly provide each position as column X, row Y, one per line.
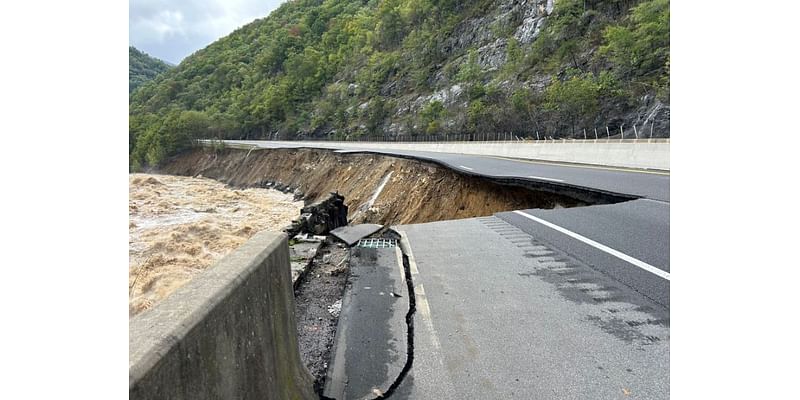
column 142, row 68
column 325, row 68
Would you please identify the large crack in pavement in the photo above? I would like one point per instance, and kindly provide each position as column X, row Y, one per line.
column 412, row 309
column 409, row 319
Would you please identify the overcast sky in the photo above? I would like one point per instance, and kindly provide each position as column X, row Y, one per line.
column 173, row 29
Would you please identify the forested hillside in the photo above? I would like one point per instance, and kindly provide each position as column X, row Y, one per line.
column 346, row 68
column 142, row 68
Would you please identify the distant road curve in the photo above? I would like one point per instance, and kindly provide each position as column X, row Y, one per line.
column 592, row 324
column 627, row 241
column 648, row 154
column 651, row 184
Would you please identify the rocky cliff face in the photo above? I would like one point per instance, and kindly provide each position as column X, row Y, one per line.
column 401, row 68
column 488, row 33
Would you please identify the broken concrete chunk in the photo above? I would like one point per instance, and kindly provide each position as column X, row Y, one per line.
column 320, row 218
column 335, row 308
column 306, row 238
column 300, row 257
column 352, row 234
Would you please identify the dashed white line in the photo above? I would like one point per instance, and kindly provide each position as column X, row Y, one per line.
column 546, row 179
column 467, row 168
column 641, row 264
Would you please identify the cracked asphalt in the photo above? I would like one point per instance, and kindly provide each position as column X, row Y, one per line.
column 541, row 304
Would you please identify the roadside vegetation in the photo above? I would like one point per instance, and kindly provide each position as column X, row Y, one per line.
column 343, row 69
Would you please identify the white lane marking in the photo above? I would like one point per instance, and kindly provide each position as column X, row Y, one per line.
column 399, row 255
column 641, row 264
column 425, row 312
column 546, row 179
column 656, row 201
column 467, row 168
column 419, row 292
column 586, row 166
column 378, row 191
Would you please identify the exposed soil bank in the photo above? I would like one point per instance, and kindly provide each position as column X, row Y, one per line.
column 180, row 226
column 415, row 192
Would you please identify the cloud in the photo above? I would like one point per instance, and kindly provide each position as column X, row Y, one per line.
column 173, row 29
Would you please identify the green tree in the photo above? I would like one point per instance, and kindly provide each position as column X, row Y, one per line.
column 514, row 54
column 470, row 71
column 376, row 113
column 569, row 51
column 142, row 68
column 524, row 107
column 306, row 68
column 479, row 117
column 431, row 115
column 390, row 27
column 640, row 48
column 574, row 99
column 190, row 126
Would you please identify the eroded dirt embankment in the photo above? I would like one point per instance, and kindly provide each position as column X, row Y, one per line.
column 415, row 192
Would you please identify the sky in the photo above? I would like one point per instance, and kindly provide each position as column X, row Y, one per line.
column 173, row 29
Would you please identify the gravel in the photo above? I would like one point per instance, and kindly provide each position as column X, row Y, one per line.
column 318, row 302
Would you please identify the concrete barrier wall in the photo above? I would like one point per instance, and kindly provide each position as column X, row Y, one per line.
column 230, row 333
column 642, row 154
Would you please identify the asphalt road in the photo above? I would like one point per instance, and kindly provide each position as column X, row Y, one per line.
column 370, row 349
column 501, row 315
column 564, row 303
column 647, row 184
column 638, row 229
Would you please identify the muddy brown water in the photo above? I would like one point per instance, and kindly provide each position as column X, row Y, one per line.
column 206, row 202
column 179, row 226
column 172, row 238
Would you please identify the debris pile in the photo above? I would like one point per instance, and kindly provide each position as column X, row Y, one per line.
column 320, row 218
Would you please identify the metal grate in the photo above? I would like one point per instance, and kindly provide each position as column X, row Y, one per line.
column 377, row 243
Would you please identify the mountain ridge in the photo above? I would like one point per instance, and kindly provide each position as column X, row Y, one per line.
column 142, row 68
column 344, row 69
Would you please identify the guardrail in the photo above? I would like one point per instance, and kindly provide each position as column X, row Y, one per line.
column 425, row 139
column 651, row 154
column 229, row 333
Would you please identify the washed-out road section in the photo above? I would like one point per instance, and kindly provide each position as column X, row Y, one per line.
column 563, row 303
column 638, row 228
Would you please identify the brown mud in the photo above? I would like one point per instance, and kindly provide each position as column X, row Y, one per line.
column 415, row 192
